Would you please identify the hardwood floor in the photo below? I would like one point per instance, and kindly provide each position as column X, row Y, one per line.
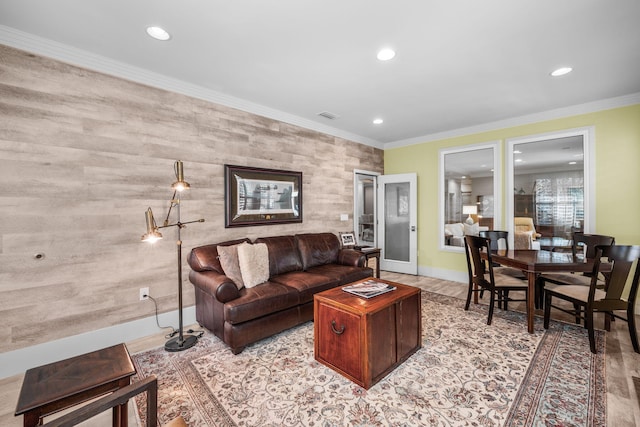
column 622, row 364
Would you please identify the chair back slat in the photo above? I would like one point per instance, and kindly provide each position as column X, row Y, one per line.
column 622, row 259
column 586, row 243
column 495, row 238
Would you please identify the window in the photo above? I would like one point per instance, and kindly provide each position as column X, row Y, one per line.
column 559, row 203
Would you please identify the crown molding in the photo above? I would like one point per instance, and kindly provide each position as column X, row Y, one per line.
column 65, row 53
column 574, row 110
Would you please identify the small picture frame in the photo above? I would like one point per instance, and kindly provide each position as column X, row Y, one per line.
column 348, row 240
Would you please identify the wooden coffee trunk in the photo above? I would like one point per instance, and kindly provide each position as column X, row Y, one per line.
column 365, row 339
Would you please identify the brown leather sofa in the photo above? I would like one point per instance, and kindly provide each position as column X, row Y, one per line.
column 299, row 266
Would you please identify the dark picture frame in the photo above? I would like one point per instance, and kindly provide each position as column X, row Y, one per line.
column 258, row 196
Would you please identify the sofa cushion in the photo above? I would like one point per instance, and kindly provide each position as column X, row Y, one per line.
column 305, row 284
column 455, row 229
column 317, row 249
column 471, row 229
column 228, row 256
column 205, row 258
column 254, row 263
column 283, row 254
column 342, row 274
column 262, row 300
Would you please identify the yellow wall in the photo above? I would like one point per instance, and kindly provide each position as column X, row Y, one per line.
column 617, row 178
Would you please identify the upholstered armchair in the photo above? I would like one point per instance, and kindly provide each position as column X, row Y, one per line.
column 525, row 233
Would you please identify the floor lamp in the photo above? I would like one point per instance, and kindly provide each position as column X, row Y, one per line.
column 182, row 341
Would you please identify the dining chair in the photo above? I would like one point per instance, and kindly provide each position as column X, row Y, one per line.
column 482, row 276
column 499, row 240
column 592, row 298
column 585, row 244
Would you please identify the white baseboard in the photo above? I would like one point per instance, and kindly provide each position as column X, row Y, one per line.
column 18, row 361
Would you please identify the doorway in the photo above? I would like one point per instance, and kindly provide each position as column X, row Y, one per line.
column 364, row 208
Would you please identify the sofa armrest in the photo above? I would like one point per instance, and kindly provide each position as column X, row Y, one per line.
column 217, row 285
column 351, row 257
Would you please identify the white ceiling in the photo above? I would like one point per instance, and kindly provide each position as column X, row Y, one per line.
column 459, row 64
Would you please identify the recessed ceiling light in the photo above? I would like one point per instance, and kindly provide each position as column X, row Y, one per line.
column 519, row 160
column 378, row 121
column 158, row 33
column 386, row 54
column 572, row 163
column 561, row 71
column 517, row 152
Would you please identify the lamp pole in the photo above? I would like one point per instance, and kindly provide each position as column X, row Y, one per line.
column 182, row 341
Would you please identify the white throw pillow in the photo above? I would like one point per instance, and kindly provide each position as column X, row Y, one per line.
column 254, row 263
column 228, row 256
column 472, row 230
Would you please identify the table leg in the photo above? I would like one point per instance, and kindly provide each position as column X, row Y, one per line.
column 531, row 297
column 31, row 419
column 120, row 412
column 120, row 415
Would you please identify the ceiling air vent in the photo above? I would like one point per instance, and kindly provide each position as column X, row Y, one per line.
column 328, row 115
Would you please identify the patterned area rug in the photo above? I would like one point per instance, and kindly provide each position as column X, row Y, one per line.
column 466, row 374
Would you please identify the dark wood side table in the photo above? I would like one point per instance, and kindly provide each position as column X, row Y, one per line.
column 371, row 253
column 51, row 388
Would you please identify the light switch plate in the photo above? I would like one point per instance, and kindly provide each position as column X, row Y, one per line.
column 344, row 217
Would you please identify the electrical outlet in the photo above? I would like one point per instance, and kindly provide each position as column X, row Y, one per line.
column 144, row 294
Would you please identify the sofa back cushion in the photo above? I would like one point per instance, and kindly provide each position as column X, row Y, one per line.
column 205, row 258
column 317, row 249
column 456, row 229
column 283, row 254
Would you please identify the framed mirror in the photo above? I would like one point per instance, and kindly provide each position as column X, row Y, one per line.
column 549, row 187
column 469, row 193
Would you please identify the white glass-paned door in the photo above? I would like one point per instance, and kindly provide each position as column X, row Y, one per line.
column 397, row 206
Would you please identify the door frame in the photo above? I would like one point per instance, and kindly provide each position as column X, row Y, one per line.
column 356, row 220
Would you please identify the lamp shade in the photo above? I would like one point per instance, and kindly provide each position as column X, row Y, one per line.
column 152, row 233
column 469, row 209
column 180, row 184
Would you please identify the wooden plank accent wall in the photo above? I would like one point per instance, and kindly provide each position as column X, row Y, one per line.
column 82, row 156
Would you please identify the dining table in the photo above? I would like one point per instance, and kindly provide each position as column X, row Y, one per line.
column 533, row 263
